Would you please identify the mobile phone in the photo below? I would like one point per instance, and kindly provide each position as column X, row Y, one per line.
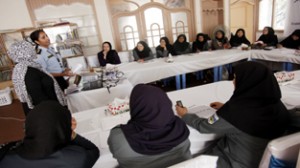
column 179, row 103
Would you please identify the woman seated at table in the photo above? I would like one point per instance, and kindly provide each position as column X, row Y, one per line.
column 50, row 141
column 107, row 55
column 32, row 83
column 268, row 38
column 200, row 44
column 293, row 41
column 239, row 38
column 220, row 41
column 181, row 46
column 164, row 48
column 142, row 52
column 154, row 136
column 252, row 117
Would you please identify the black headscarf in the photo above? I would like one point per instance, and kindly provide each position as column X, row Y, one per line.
column 145, row 53
column 168, row 45
column 111, row 56
column 290, row 43
column 199, row 44
column 224, row 39
column 237, row 41
column 47, row 130
column 270, row 39
column 255, row 106
column 181, row 46
column 153, row 127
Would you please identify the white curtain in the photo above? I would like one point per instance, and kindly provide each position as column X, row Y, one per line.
column 292, row 17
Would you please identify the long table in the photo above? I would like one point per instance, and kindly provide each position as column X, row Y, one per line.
column 157, row 69
column 85, row 100
column 95, row 124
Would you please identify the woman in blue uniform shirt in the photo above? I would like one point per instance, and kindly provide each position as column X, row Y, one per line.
column 49, row 59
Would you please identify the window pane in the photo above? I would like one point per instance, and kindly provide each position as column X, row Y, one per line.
column 128, row 29
column 153, row 15
column 280, row 13
column 265, row 13
column 179, row 23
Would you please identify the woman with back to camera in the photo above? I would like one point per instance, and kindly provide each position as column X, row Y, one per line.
column 200, row 44
column 268, row 38
column 142, row 52
column 181, row 46
column 50, row 141
column 164, row 48
column 49, row 59
column 32, row 83
column 239, row 38
column 220, row 41
column 252, row 117
column 108, row 55
column 153, row 137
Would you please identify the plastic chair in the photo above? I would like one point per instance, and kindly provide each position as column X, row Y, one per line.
column 284, row 148
column 75, row 62
column 125, row 56
column 93, row 61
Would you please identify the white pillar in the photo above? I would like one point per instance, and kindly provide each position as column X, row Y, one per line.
column 198, row 15
column 105, row 26
column 226, row 9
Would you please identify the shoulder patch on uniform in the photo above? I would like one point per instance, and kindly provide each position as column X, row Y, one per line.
column 49, row 56
column 212, row 119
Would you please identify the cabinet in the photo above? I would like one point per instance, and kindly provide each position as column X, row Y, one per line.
column 63, row 37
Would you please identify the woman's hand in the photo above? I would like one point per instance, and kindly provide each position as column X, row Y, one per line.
column 68, row 72
column 73, row 127
column 216, row 105
column 73, row 124
column 140, row 60
column 181, row 111
column 279, row 46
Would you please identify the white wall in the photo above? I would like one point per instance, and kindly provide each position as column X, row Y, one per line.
column 14, row 14
column 105, row 26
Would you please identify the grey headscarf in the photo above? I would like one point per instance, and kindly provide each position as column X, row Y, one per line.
column 23, row 54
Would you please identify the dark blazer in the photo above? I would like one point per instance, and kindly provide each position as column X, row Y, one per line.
column 112, row 57
column 80, row 153
column 39, row 86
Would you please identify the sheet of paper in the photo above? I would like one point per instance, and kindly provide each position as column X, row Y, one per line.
column 200, row 161
column 202, row 111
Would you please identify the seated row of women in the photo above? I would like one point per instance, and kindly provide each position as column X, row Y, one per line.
column 142, row 52
column 154, row 137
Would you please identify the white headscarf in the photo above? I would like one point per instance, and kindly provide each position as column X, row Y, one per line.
column 23, row 54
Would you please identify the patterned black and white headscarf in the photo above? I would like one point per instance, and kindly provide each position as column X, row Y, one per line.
column 23, row 54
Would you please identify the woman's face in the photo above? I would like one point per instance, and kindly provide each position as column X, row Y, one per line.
column 162, row 42
column 265, row 31
column 181, row 39
column 240, row 33
column 295, row 38
column 219, row 35
column 43, row 40
column 201, row 38
column 140, row 47
column 105, row 47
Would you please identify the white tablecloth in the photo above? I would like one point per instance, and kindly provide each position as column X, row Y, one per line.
column 157, row 69
column 95, row 124
column 276, row 55
column 90, row 99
